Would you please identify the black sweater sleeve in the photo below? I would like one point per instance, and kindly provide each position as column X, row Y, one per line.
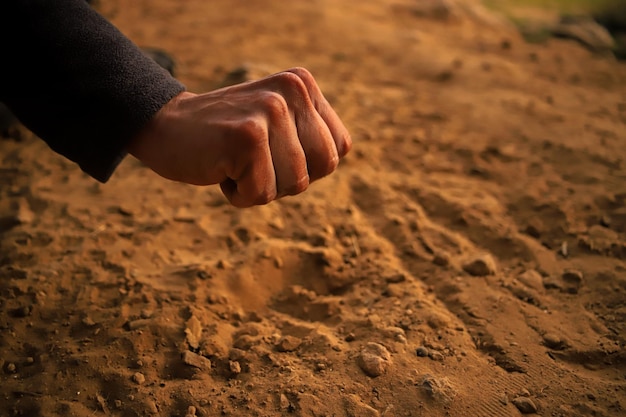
column 76, row 81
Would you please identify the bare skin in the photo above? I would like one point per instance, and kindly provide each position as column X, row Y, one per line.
column 259, row 140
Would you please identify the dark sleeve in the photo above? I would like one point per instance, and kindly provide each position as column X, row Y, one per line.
column 76, row 81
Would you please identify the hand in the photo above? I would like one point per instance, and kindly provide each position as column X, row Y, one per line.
column 259, row 140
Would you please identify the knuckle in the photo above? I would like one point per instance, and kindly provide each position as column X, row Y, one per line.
column 303, row 73
column 274, row 104
column 252, row 132
column 290, row 81
column 347, row 144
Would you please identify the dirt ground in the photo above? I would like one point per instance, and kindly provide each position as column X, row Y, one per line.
column 466, row 259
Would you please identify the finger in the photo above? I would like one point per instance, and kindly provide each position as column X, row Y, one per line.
column 288, row 155
column 256, row 187
column 255, row 184
column 314, row 135
column 340, row 134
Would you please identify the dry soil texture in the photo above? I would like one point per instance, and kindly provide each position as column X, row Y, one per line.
column 466, row 259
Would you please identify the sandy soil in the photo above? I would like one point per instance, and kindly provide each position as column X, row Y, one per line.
column 467, row 259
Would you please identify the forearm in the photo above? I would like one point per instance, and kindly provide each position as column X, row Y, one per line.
column 77, row 82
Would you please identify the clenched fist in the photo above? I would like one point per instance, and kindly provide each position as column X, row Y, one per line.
column 259, row 140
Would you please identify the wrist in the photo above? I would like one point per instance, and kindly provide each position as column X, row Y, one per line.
column 145, row 139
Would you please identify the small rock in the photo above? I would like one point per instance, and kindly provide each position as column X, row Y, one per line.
column 605, row 221
column 564, row 250
column 191, row 411
column 480, row 266
column 525, row 405
column 422, row 351
column 24, row 214
column 355, row 407
column 441, row 259
column 139, row 378
column 193, row 332
column 103, row 404
column 195, row 360
column 586, row 31
column 436, row 356
column 573, row 280
column 10, row 368
column 532, row 279
column 245, row 342
column 395, row 278
column 185, row 215
column 438, row 388
column 553, row 341
column 288, row 344
column 235, row 367
column 374, row 359
column 223, row 264
column 552, row 283
column 118, row 404
column 138, row 324
column 146, row 313
column 285, row 404
column 20, row 312
column 152, row 407
column 88, row 321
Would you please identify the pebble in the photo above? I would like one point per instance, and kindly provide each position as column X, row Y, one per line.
column 605, row 221
column 139, row 378
column 438, row 388
column 235, row 367
column 138, row 324
column 284, row 402
column 396, row 278
column 553, row 341
column 195, row 360
column 288, row 344
column 480, row 266
column 355, row 407
column 374, row 359
column 525, row 405
column 146, row 313
column 11, row 368
column 436, row 356
column 191, row 411
column 422, row 352
column 573, row 280
column 586, row 31
column 88, row 321
column 20, row 312
column 152, row 407
column 532, row 279
column 441, row 260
